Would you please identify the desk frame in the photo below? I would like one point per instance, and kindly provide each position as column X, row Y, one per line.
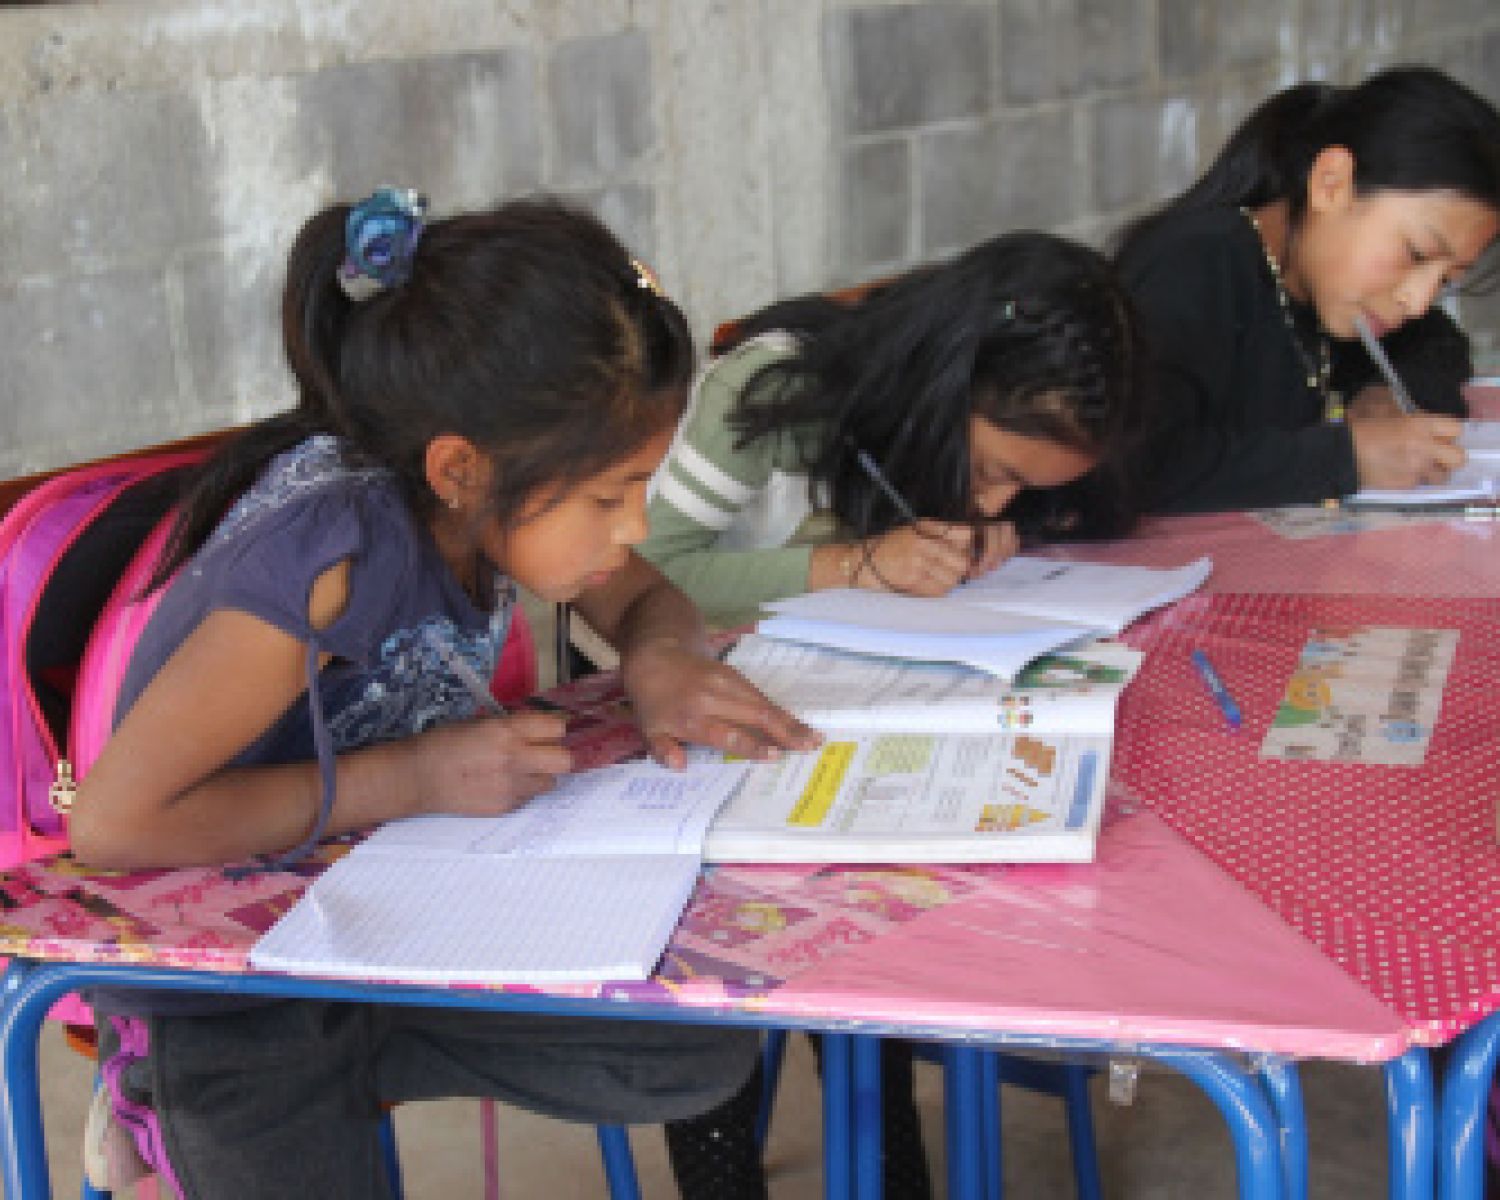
column 851, row 1067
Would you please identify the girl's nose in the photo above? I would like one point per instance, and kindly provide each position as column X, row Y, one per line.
column 631, row 528
column 992, row 499
column 1417, row 292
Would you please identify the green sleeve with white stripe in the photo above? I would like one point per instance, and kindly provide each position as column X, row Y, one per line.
column 703, row 466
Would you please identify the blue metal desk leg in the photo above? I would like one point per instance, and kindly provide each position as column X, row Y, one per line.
column 1243, row 1102
column 989, row 1119
column 25, row 998
column 1284, row 1086
column 1411, row 1123
column 869, row 1152
column 964, row 1109
column 1466, row 1086
column 838, row 1098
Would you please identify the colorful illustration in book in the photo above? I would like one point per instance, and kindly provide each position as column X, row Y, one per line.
column 1040, row 756
column 1004, row 818
column 1066, row 670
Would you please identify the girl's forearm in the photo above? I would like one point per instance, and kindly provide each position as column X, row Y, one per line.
column 239, row 813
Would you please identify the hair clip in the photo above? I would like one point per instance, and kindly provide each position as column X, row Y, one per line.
column 646, row 278
column 380, row 239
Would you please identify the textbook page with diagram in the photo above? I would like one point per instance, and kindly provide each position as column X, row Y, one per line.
column 998, row 623
column 1071, row 691
column 880, row 796
column 586, row 881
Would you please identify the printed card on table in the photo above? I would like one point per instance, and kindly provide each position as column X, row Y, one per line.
column 1367, row 694
column 1299, row 523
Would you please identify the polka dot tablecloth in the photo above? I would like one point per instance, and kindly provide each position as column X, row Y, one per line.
column 1393, row 872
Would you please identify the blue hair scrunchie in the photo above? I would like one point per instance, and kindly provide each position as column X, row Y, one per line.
column 380, row 239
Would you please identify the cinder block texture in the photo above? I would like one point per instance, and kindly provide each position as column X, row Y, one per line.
column 160, row 158
column 88, row 367
column 1019, row 172
column 875, row 218
column 466, row 128
column 600, row 90
column 894, row 68
column 99, row 177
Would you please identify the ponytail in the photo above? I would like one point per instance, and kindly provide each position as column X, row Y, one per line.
column 314, row 313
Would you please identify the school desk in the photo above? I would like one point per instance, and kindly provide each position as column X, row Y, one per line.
column 1392, row 872
column 1300, row 940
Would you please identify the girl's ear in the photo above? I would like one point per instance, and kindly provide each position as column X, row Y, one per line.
column 1330, row 182
column 458, row 472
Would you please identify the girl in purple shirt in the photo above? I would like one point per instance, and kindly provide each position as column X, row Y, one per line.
column 481, row 402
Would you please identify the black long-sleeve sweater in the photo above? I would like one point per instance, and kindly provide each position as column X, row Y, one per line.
column 1235, row 423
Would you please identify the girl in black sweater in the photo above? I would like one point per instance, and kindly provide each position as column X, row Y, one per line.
column 1327, row 205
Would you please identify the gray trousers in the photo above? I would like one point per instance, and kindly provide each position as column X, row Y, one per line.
column 284, row 1100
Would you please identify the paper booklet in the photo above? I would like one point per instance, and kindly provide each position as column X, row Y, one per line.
column 1476, row 482
column 1072, row 691
column 584, row 882
column 926, row 762
column 1024, row 608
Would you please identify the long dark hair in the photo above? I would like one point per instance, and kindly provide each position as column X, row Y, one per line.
column 527, row 329
column 1027, row 330
column 1410, row 129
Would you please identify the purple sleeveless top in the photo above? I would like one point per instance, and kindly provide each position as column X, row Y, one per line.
column 405, row 621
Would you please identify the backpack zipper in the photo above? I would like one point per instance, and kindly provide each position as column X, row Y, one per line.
column 64, row 788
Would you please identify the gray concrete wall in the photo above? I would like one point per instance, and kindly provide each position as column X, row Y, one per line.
column 156, row 158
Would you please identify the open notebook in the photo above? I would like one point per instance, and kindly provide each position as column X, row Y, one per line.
column 1476, row 482
column 928, row 762
column 997, row 623
column 584, row 882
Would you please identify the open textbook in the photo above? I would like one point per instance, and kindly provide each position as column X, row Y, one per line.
column 586, row 881
column 1476, row 482
column 926, row 762
column 998, row 623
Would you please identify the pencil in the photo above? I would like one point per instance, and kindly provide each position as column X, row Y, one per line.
column 878, row 478
column 1377, row 352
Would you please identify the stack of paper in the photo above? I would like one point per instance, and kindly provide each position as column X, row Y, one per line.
column 999, row 623
column 585, row 882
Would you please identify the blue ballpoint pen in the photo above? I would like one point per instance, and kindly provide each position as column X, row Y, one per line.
column 1216, row 689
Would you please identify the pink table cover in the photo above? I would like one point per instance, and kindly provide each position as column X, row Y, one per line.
column 1392, row 871
column 1390, row 874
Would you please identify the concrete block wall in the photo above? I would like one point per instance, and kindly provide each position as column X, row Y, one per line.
column 159, row 156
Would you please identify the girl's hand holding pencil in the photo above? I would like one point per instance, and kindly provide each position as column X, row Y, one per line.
column 488, row 766
column 926, row 558
column 1403, row 452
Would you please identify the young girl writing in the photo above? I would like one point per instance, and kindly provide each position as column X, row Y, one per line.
column 885, row 444
column 882, row 444
column 1328, row 206
column 481, row 404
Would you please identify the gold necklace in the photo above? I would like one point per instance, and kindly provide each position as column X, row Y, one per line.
column 1319, row 374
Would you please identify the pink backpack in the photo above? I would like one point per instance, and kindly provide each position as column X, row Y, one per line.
column 63, row 547
column 76, row 553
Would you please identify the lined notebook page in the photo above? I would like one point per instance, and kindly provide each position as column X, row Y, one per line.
column 473, row 920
